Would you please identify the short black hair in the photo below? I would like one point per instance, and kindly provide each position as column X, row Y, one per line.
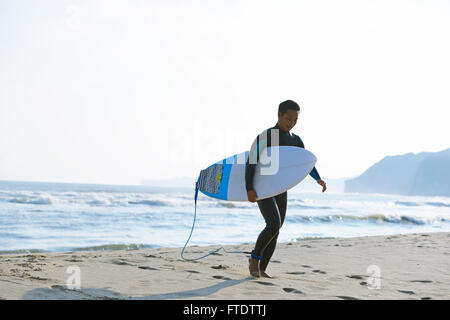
column 288, row 105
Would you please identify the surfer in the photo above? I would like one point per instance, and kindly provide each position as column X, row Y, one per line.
column 272, row 209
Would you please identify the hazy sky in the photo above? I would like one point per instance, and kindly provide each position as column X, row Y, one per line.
column 120, row 91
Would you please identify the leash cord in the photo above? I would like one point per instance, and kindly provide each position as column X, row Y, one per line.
column 192, row 230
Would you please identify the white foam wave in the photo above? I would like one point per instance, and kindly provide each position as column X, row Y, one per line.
column 106, row 199
column 40, row 199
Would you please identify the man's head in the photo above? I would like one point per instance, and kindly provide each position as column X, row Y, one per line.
column 287, row 114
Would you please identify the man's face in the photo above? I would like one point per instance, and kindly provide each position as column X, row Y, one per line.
column 288, row 120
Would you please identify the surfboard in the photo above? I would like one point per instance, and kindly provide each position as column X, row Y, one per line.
column 280, row 168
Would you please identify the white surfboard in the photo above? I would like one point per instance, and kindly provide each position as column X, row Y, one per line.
column 280, row 168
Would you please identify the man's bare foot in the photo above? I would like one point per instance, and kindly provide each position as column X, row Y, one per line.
column 253, row 267
column 264, row 274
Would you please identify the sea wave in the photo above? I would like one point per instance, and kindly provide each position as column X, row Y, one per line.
column 407, row 203
column 96, row 199
column 374, row 218
column 157, row 203
column 22, row 251
column 229, row 204
column 305, row 207
column 438, row 204
column 418, row 204
column 104, row 247
column 34, row 200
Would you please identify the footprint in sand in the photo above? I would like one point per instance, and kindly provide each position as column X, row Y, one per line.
column 220, row 267
column 319, row 271
column 191, row 271
column 295, row 272
column 347, row 298
column 221, row 278
column 305, row 266
column 74, row 260
column 265, row 283
column 391, row 237
column 355, row 277
column 38, row 278
column 292, row 290
column 147, row 268
column 121, row 263
column 406, row 291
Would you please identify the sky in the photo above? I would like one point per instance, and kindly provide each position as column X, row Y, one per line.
column 117, row 92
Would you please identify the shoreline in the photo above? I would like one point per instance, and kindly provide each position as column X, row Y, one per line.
column 402, row 266
column 135, row 246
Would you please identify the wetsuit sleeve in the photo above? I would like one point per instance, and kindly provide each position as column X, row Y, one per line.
column 249, row 174
column 314, row 173
column 253, row 158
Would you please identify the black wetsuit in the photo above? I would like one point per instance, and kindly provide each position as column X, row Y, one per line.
column 272, row 209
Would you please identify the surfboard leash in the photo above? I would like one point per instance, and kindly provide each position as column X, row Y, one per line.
column 192, row 230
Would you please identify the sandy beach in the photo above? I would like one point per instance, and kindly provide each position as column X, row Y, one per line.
column 413, row 266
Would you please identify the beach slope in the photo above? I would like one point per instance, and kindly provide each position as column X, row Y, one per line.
column 413, row 266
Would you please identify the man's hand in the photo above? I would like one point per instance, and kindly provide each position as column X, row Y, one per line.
column 251, row 195
column 323, row 184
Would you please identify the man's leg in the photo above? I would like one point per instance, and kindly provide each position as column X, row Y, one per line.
column 281, row 201
column 269, row 211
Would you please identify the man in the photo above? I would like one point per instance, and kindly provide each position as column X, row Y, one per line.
column 272, row 209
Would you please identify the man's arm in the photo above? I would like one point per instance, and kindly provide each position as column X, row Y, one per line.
column 253, row 158
column 314, row 173
column 249, row 174
column 262, row 141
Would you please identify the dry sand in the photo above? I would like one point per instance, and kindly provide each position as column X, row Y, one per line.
column 414, row 266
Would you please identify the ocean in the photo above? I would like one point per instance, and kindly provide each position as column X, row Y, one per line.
column 61, row 217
